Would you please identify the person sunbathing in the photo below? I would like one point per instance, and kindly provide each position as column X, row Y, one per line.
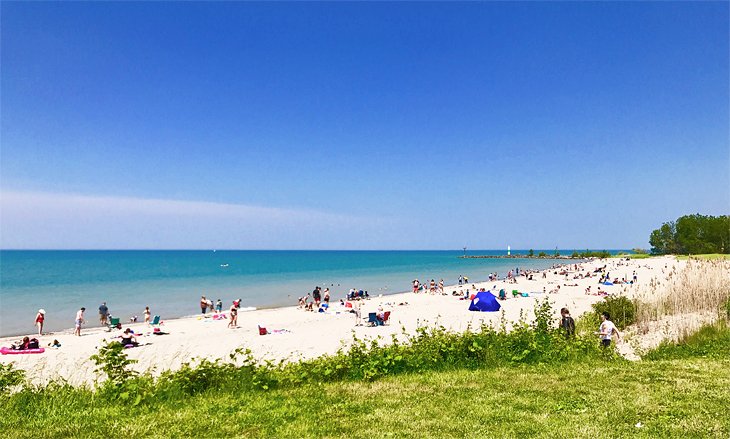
column 128, row 338
column 21, row 345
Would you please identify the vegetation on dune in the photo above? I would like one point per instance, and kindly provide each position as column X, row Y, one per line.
column 670, row 396
column 692, row 234
column 702, row 287
column 708, row 257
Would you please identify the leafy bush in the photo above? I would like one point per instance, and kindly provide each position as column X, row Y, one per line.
column 10, row 376
column 621, row 308
column 428, row 349
column 122, row 382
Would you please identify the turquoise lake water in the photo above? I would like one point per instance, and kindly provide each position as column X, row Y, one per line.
column 171, row 282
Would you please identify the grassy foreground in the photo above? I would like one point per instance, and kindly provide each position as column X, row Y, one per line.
column 670, row 398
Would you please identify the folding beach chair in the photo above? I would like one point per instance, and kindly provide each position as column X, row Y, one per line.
column 113, row 323
column 155, row 321
column 386, row 318
column 372, row 319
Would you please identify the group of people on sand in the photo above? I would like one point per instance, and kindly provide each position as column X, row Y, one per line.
column 318, row 298
column 432, row 287
column 104, row 318
column 207, row 305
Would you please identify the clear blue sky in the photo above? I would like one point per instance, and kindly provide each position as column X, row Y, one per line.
column 360, row 125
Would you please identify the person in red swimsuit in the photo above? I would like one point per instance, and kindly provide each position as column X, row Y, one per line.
column 39, row 318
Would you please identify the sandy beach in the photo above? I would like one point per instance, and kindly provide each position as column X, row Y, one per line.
column 296, row 333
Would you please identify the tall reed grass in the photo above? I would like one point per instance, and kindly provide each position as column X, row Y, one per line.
column 693, row 295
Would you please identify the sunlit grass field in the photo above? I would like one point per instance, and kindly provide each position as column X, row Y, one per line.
column 668, row 398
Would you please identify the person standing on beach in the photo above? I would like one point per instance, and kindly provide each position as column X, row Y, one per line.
column 357, row 310
column 147, row 314
column 218, row 306
column 39, row 319
column 103, row 313
column 79, row 321
column 234, row 317
column 203, row 305
column 316, row 295
column 607, row 329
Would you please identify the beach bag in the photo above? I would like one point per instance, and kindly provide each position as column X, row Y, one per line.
column 33, row 343
column 262, row 331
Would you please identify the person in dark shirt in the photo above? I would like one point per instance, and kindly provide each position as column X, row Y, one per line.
column 103, row 313
column 567, row 322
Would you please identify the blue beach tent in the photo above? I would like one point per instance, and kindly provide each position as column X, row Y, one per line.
column 484, row 301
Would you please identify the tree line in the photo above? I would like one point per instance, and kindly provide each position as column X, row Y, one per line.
column 692, row 234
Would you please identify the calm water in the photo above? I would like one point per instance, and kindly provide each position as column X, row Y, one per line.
column 171, row 282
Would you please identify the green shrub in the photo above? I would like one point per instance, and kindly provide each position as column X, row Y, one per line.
column 621, row 308
column 10, row 377
column 428, row 349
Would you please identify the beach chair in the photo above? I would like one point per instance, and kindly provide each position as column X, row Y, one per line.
column 502, row 294
column 155, row 321
column 372, row 319
column 386, row 318
column 113, row 323
column 515, row 293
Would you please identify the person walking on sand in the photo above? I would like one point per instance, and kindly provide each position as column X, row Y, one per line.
column 203, row 305
column 147, row 314
column 39, row 318
column 234, row 317
column 103, row 313
column 607, row 329
column 79, row 321
column 357, row 310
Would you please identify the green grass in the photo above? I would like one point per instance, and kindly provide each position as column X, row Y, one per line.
column 711, row 341
column 675, row 398
column 709, row 256
column 632, row 255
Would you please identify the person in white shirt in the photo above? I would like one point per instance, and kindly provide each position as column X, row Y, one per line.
column 79, row 321
column 607, row 329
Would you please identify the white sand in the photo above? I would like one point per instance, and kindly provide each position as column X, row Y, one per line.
column 313, row 334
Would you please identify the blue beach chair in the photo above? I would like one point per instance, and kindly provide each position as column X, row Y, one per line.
column 373, row 319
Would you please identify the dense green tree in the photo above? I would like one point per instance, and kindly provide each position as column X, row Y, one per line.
column 692, row 234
